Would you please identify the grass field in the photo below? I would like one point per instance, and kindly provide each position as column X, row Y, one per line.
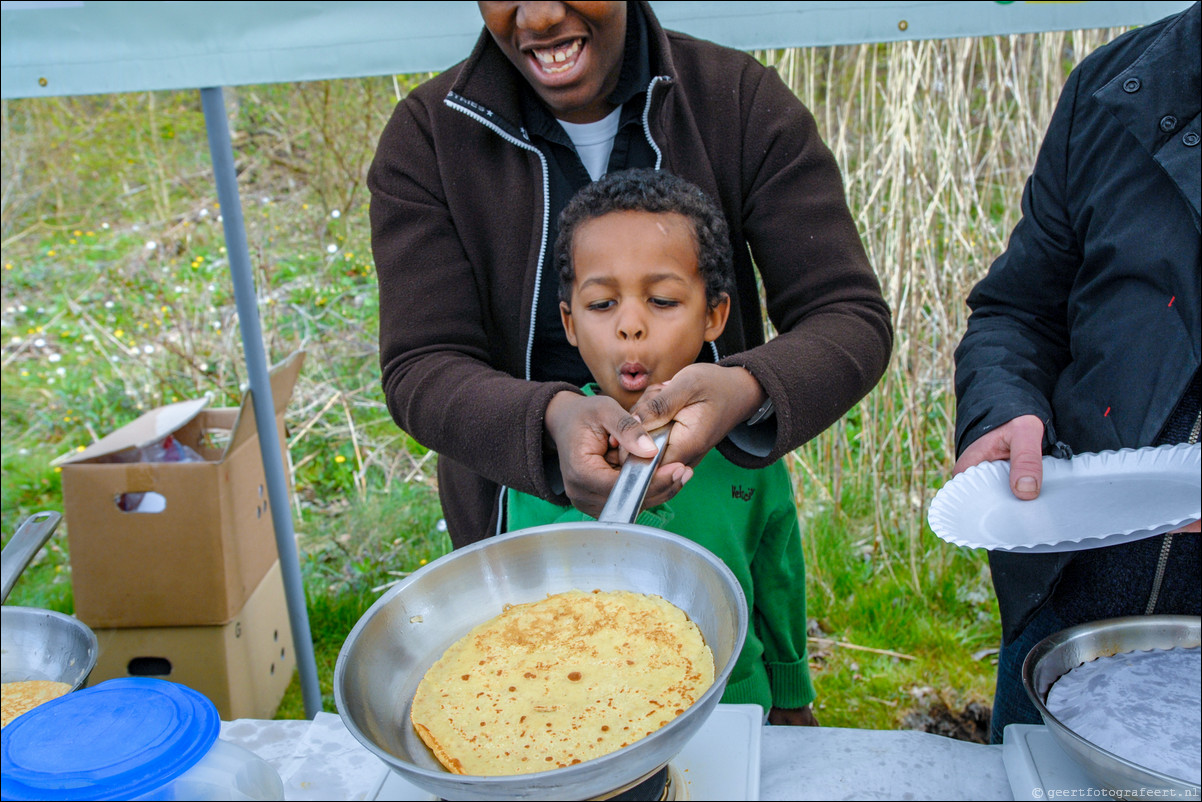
column 116, row 298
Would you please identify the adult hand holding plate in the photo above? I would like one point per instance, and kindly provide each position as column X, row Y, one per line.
column 1085, row 502
column 1021, row 442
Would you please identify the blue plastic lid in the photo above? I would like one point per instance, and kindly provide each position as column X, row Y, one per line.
column 123, row 738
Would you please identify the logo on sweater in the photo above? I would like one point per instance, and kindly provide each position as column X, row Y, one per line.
column 737, row 491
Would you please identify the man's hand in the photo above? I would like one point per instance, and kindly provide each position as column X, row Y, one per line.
column 589, row 432
column 1021, row 442
column 706, row 401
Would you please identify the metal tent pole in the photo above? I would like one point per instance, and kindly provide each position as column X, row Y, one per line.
column 222, row 153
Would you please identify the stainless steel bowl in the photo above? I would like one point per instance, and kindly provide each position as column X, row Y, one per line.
column 408, row 629
column 38, row 644
column 1056, row 655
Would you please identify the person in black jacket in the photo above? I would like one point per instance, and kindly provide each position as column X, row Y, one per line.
column 1084, row 334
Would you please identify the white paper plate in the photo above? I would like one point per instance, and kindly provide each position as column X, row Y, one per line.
column 1088, row 501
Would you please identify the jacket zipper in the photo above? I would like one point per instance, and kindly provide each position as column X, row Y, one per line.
column 453, row 101
column 1163, row 562
column 659, row 155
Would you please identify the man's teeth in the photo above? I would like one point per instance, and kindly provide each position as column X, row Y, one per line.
column 558, row 55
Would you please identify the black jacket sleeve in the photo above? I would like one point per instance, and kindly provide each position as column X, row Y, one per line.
column 1017, row 341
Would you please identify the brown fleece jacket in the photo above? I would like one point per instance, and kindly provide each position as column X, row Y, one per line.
column 457, row 216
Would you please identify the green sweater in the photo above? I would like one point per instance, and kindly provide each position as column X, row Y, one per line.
column 748, row 519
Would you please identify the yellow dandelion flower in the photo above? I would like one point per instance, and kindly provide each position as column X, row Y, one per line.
column 72, row 241
column 78, row 233
column 58, row 469
column 51, row 252
column 340, row 459
column 91, row 233
column 8, row 265
column 422, row 561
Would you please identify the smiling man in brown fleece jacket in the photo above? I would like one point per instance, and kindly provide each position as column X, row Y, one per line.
column 467, row 184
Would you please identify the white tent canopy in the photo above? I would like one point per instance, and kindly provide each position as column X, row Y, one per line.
column 78, row 47
column 72, row 47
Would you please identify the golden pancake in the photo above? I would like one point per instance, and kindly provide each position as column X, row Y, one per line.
column 560, row 681
column 21, row 697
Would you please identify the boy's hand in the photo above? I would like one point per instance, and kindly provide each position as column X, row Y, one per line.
column 793, row 717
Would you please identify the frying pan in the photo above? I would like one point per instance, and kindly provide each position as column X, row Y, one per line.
column 38, row 644
column 409, row 627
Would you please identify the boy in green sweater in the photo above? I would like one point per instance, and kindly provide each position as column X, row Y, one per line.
column 645, row 278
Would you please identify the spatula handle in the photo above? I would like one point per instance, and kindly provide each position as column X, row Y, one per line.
column 29, row 538
column 623, row 504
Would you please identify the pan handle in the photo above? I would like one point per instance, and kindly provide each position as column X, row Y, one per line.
column 29, row 538
column 624, row 501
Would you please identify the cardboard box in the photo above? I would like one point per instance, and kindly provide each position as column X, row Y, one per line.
column 244, row 666
column 164, row 544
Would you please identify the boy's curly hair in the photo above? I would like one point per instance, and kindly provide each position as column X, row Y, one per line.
column 646, row 190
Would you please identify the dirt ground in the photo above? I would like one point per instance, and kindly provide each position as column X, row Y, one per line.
column 969, row 723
